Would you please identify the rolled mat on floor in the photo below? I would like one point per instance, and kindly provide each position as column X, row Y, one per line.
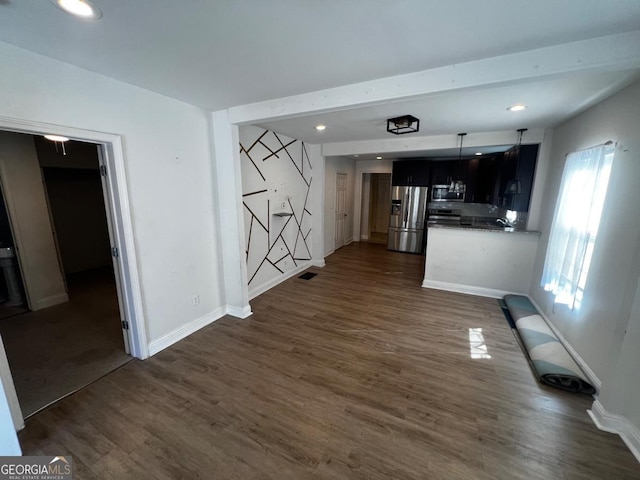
column 551, row 361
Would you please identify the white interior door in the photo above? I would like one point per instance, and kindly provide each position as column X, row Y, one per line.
column 115, row 254
column 341, row 209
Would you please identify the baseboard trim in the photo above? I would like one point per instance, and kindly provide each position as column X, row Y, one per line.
column 593, row 378
column 328, row 252
column 468, row 289
column 348, row 241
column 185, row 330
column 50, row 301
column 318, row 263
column 275, row 281
column 364, row 237
column 239, row 312
column 618, row 424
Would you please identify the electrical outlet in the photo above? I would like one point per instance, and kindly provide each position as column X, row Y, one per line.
column 286, row 263
column 195, row 300
column 283, row 205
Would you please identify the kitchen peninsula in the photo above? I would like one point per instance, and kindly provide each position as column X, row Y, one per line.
column 481, row 256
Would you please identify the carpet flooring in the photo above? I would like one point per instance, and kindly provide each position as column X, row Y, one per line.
column 58, row 350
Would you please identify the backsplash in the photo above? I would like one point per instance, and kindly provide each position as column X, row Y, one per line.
column 479, row 211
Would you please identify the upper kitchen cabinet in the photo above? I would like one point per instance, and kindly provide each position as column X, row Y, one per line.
column 410, row 172
column 443, row 172
column 515, row 177
column 481, row 179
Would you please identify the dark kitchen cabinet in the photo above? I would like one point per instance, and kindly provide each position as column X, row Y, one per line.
column 487, row 178
column 443, row 172
column 481, row 180
column 517, row 165
column 410, row 172
column 473, row 167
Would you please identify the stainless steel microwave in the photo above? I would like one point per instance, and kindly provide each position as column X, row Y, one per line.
column 444, row 193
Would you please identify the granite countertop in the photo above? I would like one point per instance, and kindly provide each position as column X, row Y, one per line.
column 484, row 227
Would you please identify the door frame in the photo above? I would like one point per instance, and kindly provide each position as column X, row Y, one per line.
column 335, row 205
column 373, row 166
column 118, row 203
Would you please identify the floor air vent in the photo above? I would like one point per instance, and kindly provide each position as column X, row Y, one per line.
column 307, row 276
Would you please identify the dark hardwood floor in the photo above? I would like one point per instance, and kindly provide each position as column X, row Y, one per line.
column 358, row 373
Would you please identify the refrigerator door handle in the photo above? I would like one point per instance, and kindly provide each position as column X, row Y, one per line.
column 406, row 210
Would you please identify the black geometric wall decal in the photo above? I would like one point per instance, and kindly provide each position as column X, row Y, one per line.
column 305, row 155
column 255, row 217
column 283, row 147
column 257, row 141
column 274, row 147
column 251, row 159
column 254, row 193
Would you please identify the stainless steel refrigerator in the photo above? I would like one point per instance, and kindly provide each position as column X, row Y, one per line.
column 407, row 223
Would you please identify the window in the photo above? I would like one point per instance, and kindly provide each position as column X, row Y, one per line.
column 575, row 223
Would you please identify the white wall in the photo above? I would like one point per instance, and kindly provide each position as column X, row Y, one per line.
column 318, row 203
column 479, row 262
column 597, row 329
column 10, row 391
column 9, row 445
column 540, row 181
column 621, row 391
column 169, row 175
column 228, row 182
column 27, row 207
column 333, row 166
column 277, row 176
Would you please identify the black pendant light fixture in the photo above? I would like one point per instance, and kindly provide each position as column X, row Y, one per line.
column 514, row 186
column 458, row 186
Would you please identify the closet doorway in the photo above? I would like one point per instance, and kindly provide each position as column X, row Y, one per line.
column 379, row 201
column 58, row 214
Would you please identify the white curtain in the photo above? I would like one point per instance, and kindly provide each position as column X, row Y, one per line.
column 576, row 221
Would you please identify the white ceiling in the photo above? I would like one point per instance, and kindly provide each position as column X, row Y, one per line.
column 218, row 54
column 480, row 110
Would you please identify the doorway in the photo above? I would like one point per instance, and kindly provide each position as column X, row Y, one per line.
column 380, row 199
column 341, row 209
column 59, row 210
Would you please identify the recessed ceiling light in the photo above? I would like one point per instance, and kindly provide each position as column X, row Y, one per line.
column 56, row 138
column 356, row 156
column 320, row 127
column 378, row 158
column 516, row 108
column 478, row 153
column 79, row 8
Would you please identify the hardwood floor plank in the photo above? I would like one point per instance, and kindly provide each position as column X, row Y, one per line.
column 358, row 373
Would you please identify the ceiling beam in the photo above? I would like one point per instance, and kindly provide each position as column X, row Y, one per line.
column 398, row 145
column 613, row 52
